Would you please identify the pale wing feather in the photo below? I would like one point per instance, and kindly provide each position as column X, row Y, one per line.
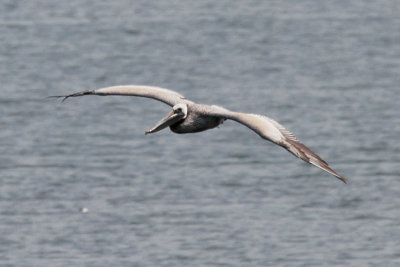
column 273, row 131
column 164, row 95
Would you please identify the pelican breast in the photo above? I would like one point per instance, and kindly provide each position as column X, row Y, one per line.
column 196, row 121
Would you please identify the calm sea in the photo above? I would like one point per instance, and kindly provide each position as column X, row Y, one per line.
column 80, row 184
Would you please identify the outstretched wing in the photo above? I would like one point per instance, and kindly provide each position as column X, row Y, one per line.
column 271, row 130
column 164, row 95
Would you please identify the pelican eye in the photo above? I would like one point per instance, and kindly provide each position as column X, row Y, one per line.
column 178, row 110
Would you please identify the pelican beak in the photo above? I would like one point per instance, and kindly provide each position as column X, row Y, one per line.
column 168, row 120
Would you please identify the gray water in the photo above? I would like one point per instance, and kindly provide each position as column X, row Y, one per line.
column 80, row 184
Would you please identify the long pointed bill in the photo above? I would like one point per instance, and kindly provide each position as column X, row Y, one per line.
column 168, row 120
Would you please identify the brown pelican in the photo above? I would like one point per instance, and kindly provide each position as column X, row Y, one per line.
column 189, row 117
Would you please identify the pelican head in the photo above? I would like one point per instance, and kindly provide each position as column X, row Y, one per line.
column 177, row 114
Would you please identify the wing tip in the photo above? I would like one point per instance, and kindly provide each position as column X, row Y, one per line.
column 341, row 178
column 303, row 152
column 65, row 97
column 328, row 169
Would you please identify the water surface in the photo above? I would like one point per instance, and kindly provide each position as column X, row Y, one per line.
column 327, row 71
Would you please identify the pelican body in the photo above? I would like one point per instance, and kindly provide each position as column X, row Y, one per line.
column 194, row 121
column 189, row 117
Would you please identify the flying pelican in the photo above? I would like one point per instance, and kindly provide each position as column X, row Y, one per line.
column 189, row 117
